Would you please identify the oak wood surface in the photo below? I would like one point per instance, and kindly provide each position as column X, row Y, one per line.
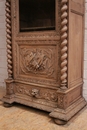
column 45, row 68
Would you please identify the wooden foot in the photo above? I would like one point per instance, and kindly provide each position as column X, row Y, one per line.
column 7, row 104
column 60, row 122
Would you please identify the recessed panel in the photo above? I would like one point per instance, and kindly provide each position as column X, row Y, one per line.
column 37, row 61
column 79, row 1
column 75, row 51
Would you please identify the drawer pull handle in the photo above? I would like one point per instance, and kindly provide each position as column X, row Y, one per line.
column 35, row 92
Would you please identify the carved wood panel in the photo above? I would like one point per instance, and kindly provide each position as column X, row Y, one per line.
column 36, row 92
column 75, row 50
column 37, row 60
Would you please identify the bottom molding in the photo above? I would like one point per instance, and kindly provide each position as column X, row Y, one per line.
column 67, row 114
column 12, row 98
column 8, row 99
column 60, row 116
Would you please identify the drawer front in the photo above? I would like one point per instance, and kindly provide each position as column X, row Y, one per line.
column 35, row 94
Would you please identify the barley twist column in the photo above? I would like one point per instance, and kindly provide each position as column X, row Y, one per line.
column 9, row 38
column 64, row 29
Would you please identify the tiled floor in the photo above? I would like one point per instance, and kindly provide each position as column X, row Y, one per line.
column 21, row 117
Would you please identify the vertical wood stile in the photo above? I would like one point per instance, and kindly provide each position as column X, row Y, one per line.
column 64, row 41
column 9, row 38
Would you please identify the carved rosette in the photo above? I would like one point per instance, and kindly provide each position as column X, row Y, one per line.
column 9, row 38
column 64, row 29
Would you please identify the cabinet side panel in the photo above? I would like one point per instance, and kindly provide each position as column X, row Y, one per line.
column 79, row 1
column 75, row 48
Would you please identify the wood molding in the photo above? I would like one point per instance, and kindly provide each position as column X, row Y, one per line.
column 69, row 112
column 64, row 41
column 9, row 38
column 77, row 8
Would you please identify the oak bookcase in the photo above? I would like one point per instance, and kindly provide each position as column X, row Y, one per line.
column 45, row 41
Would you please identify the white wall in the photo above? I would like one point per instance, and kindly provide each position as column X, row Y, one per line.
column 3, row 59
column 85, row 55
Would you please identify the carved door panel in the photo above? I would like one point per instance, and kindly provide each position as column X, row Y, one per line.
column 36, row 41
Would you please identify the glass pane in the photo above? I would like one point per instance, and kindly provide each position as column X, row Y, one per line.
column 36, row 15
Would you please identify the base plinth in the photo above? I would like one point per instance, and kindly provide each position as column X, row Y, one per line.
column 7, row 104
column 61, row 116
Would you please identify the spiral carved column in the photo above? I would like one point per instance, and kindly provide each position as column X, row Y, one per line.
column 9, row 37
column 64, row 29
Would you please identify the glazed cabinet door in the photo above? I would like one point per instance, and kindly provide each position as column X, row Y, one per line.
column 36, row 42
